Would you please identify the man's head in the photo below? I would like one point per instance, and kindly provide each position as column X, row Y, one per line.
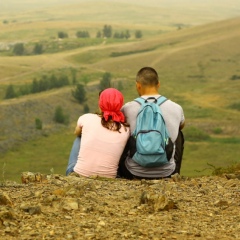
column 147, row 82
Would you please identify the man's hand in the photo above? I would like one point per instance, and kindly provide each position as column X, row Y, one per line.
column 182, row 125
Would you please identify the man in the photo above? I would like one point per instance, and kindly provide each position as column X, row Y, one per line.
column 147, row 85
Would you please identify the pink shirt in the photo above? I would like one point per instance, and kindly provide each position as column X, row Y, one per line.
column 100, row 148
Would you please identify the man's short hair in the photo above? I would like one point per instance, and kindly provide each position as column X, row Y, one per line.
column 147, row 76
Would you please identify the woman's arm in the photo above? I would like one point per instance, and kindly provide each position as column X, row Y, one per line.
column 78, row 131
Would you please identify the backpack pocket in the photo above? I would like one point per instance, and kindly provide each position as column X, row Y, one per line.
column 145, row 144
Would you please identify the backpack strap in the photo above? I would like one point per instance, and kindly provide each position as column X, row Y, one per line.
column 160, row 100
column 139, row 100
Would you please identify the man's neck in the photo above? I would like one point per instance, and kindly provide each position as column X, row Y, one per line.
column 149, row 92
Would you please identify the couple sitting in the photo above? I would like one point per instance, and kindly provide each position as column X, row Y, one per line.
column 102, row 149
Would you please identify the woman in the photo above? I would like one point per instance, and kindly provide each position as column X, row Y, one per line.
column 101, row 138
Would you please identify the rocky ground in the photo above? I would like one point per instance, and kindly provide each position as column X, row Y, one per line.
column 73, row 207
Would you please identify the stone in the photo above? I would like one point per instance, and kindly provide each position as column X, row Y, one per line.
column 74, row 207
column 5, row 199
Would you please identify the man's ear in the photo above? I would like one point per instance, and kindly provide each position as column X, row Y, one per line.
column 138, row 85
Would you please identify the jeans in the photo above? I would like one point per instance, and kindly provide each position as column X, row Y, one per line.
column 73, row 157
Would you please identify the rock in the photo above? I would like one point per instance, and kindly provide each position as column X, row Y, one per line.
column 157, row 202
column 31, row 209
column 70, row 204
column 28, row 177
column 75, row 207
column 5, row 199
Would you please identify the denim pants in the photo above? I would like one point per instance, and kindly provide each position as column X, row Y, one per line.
column 73, row 155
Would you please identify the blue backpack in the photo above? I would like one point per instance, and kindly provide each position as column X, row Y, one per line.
column 151, row 134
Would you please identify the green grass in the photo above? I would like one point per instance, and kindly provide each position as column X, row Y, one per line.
column 40, row 155
column 197, row 156
column 52, row 152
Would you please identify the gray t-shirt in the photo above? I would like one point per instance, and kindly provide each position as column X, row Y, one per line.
column 173, row 116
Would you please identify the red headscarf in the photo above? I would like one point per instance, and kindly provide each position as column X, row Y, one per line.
column 110, row 102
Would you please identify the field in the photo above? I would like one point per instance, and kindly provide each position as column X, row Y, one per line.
column 197, row 57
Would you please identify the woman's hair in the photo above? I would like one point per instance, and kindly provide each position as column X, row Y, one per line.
column 112, row 125
column 110, row 103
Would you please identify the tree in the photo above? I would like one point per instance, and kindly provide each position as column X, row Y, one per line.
column 62, row 35
column 38, row 124
column 107, row 31
column 106, row 81
column 99, row 34
column 44, row 83
column 53, row 81
column 127, row 34
column 79, row 93
column 60, row 117
column 63, row 81
column 120, row 86
column 18, row 49
column 82, row 34
column 138, row 34
column 10, row 92
column 86, row 108
column 24, row 90
column 35, row 86
column 74, row 75
column 38, row 48
column 116, row 35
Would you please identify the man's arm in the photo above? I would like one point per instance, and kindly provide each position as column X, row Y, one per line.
column 182, row 125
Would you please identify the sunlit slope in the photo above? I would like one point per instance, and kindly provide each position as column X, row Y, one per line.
column 200, row 61
column 195, row 67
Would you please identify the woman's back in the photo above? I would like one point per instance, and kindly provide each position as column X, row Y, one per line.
column 101, row 148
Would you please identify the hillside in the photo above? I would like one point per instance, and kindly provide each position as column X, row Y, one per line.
column 198, row 67
column 57, row 207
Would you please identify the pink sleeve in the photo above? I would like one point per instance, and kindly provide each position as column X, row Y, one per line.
column 80, row 121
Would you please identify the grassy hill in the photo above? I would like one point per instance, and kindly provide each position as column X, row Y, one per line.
column 198, row 68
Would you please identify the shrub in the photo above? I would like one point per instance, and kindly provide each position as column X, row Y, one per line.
column 217, row 130
column 10, row 92
column 235, row 77
column 106, row 81
column 38, row 48
column 18, row 49
column 82, row 34
column 86, row 109
column 79, row 93
column 60, row 117
column 62, row 35
column 138, row 34
column 235, row 106
column 38, row 124
column 234, row 168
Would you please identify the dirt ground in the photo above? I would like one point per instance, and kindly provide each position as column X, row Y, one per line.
column 73, row 207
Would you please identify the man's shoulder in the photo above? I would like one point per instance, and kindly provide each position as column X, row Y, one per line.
column 130, row 104
column 172, row 103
